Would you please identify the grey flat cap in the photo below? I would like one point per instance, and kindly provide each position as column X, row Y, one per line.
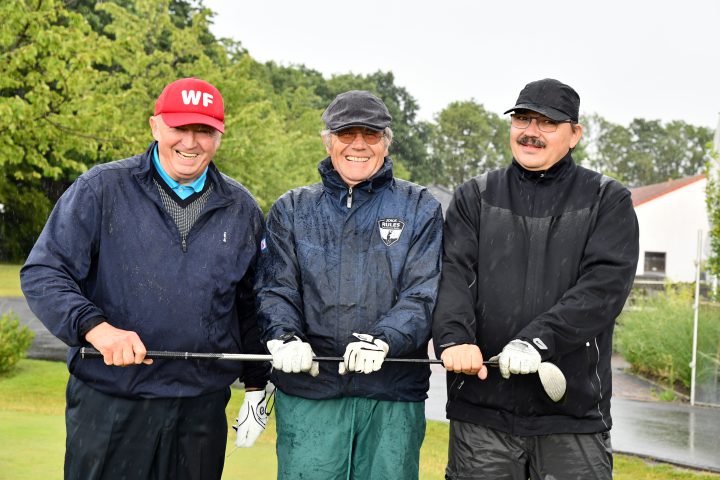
column 356, row 108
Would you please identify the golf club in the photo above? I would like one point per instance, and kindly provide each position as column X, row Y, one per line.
column 552, row 379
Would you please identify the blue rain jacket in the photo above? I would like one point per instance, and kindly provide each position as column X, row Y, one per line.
column 110, row 249
column 365, row 260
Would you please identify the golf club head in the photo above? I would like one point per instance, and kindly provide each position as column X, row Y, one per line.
column 553, row 381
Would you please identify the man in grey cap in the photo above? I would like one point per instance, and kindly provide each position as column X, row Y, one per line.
column 350, row 268
column 539, row 258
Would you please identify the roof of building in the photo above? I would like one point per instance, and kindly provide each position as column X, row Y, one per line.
column 647, row 193
column 442, row 194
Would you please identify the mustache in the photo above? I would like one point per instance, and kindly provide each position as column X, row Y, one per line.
column 532, row 141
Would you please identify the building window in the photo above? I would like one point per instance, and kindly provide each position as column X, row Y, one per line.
column 655, row 263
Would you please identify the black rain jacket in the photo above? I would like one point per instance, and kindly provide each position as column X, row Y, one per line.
column 548, row 257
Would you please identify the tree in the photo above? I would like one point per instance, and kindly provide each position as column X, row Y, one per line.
column 607, row 147
column 466, row 141
column 272, row 142
column 712, row 199
column 47, row 96
column 647, row 151
column 184, row 14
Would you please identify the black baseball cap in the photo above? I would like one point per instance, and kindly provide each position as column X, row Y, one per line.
column 356, row 108
column 551, row 98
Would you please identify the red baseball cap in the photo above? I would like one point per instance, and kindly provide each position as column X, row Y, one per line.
column 191, row 100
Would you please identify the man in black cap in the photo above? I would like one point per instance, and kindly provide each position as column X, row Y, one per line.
column 350, row 268
column 539, row 258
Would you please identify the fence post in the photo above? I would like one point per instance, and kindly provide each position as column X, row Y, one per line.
column 696, row 308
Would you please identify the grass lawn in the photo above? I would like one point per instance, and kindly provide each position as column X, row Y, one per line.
column 32, row 435
column 10, row 280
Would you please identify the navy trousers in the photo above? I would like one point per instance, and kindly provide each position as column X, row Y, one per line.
column 169, row 438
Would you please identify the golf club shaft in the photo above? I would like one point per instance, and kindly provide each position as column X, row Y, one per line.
column 88, row 352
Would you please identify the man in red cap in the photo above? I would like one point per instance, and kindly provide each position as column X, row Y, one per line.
column 155, row 251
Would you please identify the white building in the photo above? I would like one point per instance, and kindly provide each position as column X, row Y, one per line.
column 670, row 215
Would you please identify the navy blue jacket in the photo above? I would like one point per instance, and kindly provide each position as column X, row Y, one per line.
column 110, row 249
column 544, row 256
column 330, row 269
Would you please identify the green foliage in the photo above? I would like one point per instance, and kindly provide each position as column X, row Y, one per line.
column 467, row 141
column 55, row 120
column 655, row 336
column 14, row 341
column 48, row 92
column 712, row 201
column 22, row 215
column 647, row 151
column 668, row 396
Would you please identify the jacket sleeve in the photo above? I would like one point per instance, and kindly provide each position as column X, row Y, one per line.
column 407, row 326
column 280, row 303
column 454, row 317
column 255, row 374
column 607, row 270
column 60, row 262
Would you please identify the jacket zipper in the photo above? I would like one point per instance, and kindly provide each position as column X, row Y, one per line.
column 349, row 198
column 183, row 242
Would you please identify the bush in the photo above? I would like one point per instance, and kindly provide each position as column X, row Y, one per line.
column 14, row 341
column 655, row 336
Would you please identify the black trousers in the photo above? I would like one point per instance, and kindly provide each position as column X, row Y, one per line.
column 481, row 453
column 169, row 438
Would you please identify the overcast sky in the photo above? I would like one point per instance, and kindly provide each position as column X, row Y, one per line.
column 626, row 58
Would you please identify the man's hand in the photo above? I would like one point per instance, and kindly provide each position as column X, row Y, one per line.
column 252, row 418
column 292, row 355
column 518, row 357
column 118, row 347
column 366, row 355
column 465, row 358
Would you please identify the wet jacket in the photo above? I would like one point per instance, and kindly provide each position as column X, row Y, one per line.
column 363, row 260
column 110, row 249
column 547, row 257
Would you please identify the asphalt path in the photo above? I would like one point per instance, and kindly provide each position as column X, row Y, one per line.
column 45, row 345
column 671, row 432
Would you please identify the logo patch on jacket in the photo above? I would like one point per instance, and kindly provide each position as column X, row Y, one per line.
column 390, row 230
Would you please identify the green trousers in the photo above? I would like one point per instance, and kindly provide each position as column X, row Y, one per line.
column 348, row 438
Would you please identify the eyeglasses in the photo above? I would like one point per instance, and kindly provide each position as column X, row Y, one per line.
column 544, row 124
column 348, row 136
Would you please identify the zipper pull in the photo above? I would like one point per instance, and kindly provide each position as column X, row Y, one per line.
column 349, row 198
column 184, row 245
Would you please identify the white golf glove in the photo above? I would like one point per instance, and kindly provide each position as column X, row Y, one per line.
column 252, row 417
column 520, row 357
column 365, row 356
column 293, row 356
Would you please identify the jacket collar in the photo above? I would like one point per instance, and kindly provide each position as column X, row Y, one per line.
column 382, row 179
column 564, row 167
